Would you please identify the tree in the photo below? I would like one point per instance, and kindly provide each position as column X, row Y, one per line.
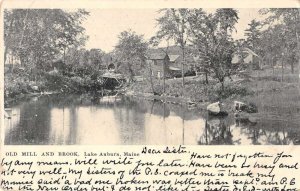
column 173, row 25
column 197, row 20
column 75, row 58
column 273, row 51
column 96, row 58
column 72, row 58
column 37, row 36
column 131, row 50
column 288, row 18
column 211, row 35
column 253, row 35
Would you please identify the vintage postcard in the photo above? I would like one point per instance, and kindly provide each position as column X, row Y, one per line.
column 133, row 74
column 157, row 76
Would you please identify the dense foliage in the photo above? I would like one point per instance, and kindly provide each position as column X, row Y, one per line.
column 37, row 36
column 211, row 37
column 131, row 52
column 281, row 28
column 38, row 39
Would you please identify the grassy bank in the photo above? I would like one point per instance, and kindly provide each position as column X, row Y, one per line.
column 274, row 98
column 195, row 89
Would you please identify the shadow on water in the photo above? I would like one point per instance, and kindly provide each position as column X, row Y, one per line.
column 96, row 120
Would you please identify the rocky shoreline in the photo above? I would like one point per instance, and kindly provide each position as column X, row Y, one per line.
column 228, row 107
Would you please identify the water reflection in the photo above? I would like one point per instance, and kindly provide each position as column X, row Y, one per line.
column 217, row 132
column 93, row 120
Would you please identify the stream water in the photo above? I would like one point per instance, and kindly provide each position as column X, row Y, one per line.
column 93, row 120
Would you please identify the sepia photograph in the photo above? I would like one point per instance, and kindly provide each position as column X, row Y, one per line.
column 171, row 76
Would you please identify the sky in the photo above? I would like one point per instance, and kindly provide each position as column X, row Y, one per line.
column 104, row 25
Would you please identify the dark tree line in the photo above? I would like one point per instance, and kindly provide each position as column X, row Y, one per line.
column 37, row 36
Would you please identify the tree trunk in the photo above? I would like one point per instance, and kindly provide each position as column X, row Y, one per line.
column 297, row 39
column 182, row 68
column 64, row 56
column 206, row 77
column 22, row 61
column 164, row 78
column 150, row 76
column 222, row 83
column 130, row 71
column 273, row 67
column 298, row 45
column 8, row 33
column 222, row 93
column 282, row 70
column 5, row 54
column 24, row 28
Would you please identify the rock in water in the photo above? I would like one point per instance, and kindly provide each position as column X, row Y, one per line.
column 35, row 88
column 240, row 106
column 216, row 109
column 252, row 119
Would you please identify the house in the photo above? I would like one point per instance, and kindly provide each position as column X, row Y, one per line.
column 175, row 65
column 171, row 62
column 160, row 64
column 174, row 58
column 251, row 60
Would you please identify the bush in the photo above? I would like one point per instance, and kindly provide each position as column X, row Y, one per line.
column 76, row 82
column 60, row 82
column 229, row 91
column 15, row 85
column 57, row 81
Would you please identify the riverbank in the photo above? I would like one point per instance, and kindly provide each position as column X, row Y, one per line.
column 275, row 100
column 277, row 103
column 20, row 82
column 195, row 93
